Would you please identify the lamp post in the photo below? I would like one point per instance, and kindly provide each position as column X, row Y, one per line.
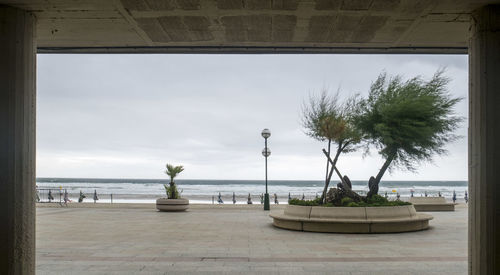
column 266, row 153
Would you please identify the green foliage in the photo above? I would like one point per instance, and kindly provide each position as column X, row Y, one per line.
column 173, row 171
column 408, row 121
column 377, row 199
column 388, row 203
column 325, row 118
column 346, row 201
column 374, row 201
column 171, row 191
column 315, row 202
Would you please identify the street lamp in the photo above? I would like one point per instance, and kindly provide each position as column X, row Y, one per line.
column 266, row 153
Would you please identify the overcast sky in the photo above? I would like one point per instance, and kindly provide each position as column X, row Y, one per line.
column 126, row 116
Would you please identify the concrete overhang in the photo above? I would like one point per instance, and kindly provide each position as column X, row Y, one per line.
column 251, row 26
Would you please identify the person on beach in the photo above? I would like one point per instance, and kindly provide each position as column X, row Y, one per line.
column 303, row 196
column 466, row 198
column 276, row 199
column 234, row 198
column 249, row 201
column 411, row 193
column 454, row 196
column 261, row 198
column 95, row 196
column 385, row 194
column 425, row 193
column 397, row 196
column 66, row 199
column 289, row 196
column 439, row 193
column 50, row 197
column 219, row 199
column 82, row 196
column 37, row 194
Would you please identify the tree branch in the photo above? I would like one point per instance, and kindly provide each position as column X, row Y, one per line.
column 335, row 168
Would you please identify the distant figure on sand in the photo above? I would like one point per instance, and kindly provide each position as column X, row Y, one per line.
column 82, row 196
column 425, row 193
column 276, row 199
column 219, row 199
column 50, row 196
column 385, row 194
column 411, row 193
column 234, row 198
column 66, row 199
column 249, row 201
column 303, row 196
column 261, row 198
column 95, row 196
column 466, row 198
column 289, row 196
column 454, row 196
column 397, row 196
column 439, row 193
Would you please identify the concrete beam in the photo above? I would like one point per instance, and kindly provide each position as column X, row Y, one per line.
column 484, row 142
column 17, row 141
column 358, row 49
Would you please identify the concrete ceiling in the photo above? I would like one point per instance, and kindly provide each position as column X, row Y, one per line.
column 405, row 26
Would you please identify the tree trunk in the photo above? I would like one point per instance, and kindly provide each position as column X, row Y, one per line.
column 328, row 162
column 171, row 185
column 373, row 184
column 329, row 177
column 384, row 167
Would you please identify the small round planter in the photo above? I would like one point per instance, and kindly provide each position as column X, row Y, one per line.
column 388, row 219
column 172, row 205
column 426, row 204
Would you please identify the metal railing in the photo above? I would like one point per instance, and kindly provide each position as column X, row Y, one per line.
column 51, row 195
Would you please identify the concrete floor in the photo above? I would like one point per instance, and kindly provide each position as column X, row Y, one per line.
column 232, row 240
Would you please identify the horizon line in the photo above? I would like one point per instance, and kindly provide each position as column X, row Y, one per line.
column 106, row 178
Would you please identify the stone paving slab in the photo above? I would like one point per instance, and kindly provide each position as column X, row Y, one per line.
column 227, row 240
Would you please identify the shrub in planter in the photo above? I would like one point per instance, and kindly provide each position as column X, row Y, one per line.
column 173, row 201
column 374, row 201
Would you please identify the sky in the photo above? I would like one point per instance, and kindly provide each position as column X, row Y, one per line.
column 126, row 116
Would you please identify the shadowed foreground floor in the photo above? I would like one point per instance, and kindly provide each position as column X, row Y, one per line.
column 232, row 240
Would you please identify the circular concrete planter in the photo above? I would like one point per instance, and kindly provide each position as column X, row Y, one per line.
column 164, row 204
column 388, row 219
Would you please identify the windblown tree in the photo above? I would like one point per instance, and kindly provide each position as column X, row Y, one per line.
column 325, row 118
column 407, row 121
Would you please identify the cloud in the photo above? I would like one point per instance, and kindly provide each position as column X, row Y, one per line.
column 124, row 116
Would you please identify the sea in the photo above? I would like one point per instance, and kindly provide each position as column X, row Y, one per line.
column 209, row 191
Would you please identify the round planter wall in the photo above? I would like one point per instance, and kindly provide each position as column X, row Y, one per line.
column 388, row 219
column 169, row 205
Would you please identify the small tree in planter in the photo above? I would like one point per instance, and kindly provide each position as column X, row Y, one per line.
column 171, row 188
column 173, row 202
column 407, row 121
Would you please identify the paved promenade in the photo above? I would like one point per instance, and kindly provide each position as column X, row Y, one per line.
column 96, row 239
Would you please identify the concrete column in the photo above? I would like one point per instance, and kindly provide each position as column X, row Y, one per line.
column 17, row 141
column 484, row 142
